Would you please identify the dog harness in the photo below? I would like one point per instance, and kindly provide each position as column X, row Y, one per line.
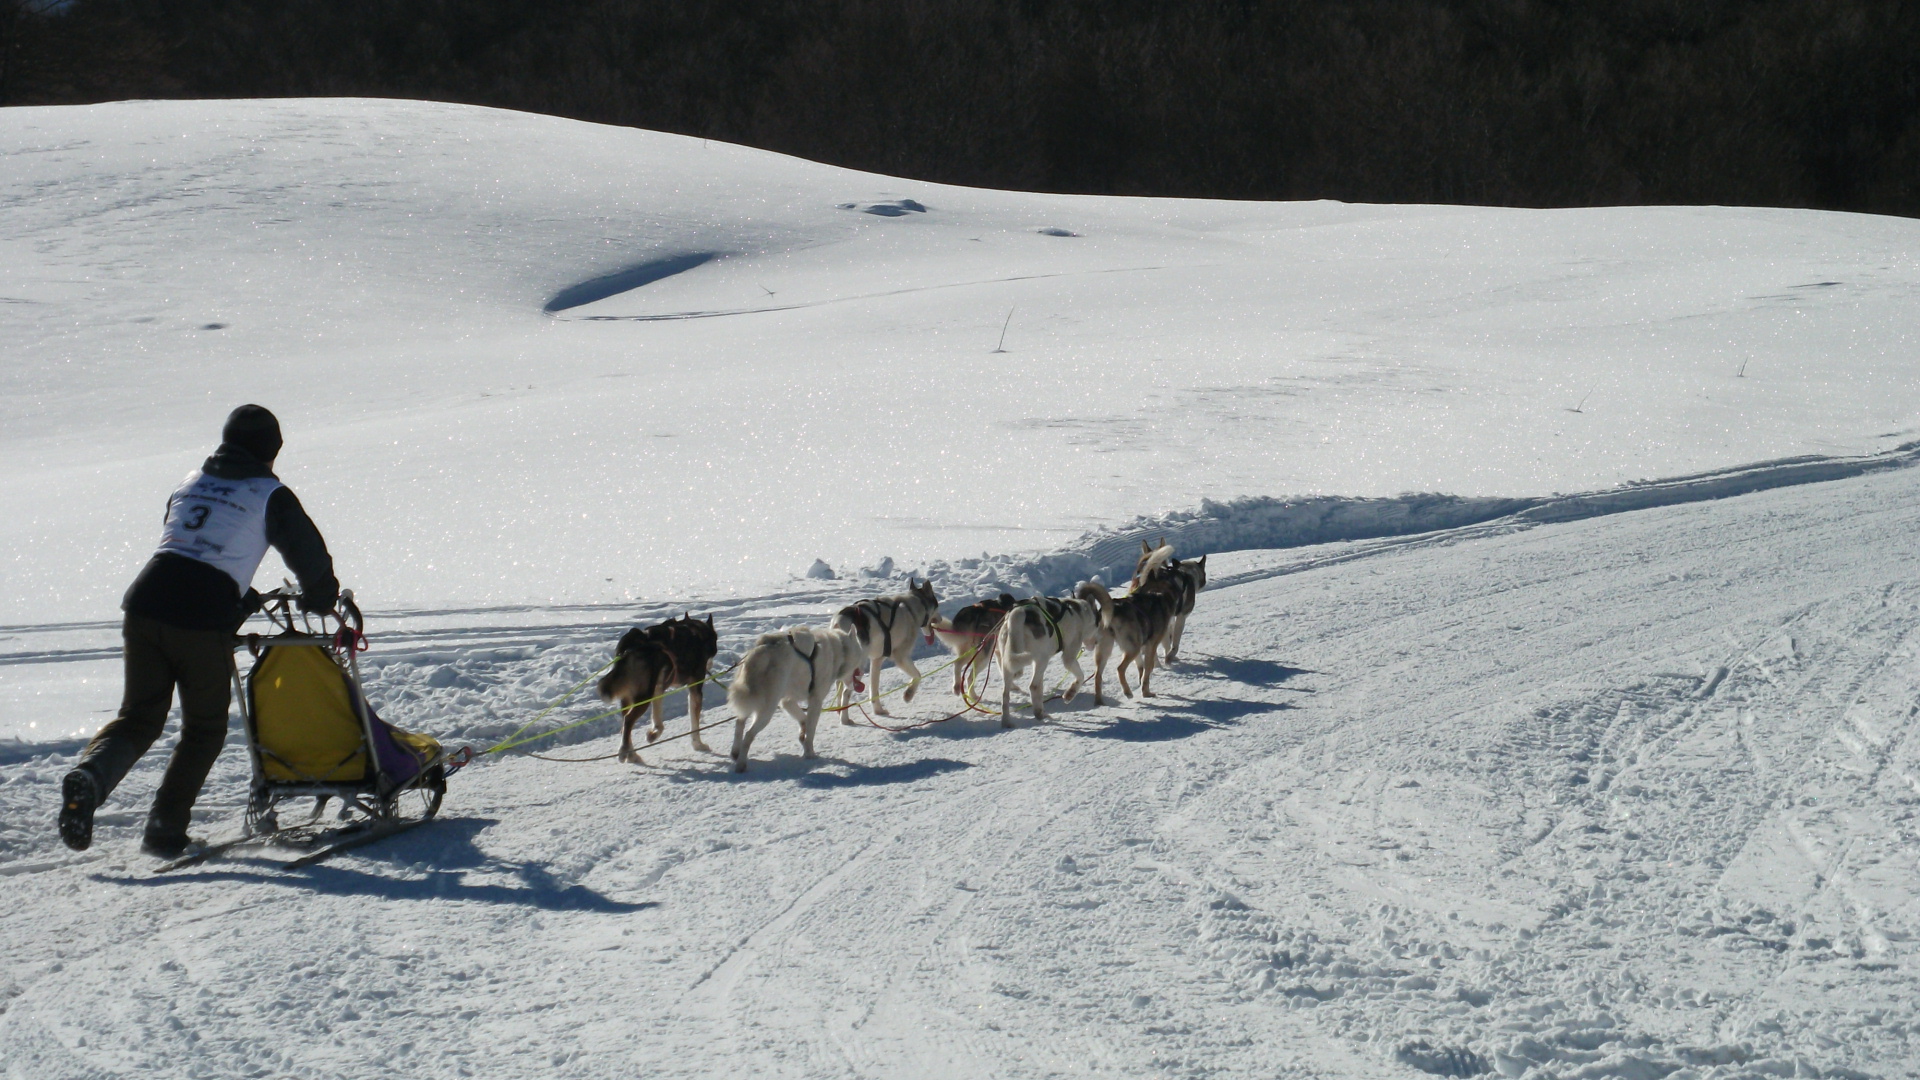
column 872, row 608
column 1045, row 605
column 813, row 673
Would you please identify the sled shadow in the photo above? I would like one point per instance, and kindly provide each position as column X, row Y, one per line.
column 823, row 773
column 1266, row 674
column 445, row 849
column 1190, row 719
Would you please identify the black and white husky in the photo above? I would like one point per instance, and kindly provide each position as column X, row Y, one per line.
column 969, row 636
column 793, row 669
column 887, row 627
column 1037, row 630
column 1181, row 586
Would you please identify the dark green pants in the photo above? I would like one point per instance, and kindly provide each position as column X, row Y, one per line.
column 158, row 659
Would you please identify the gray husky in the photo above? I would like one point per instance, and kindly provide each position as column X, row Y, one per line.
column 1180, row 587
column 886, row 627
column 1136, row 623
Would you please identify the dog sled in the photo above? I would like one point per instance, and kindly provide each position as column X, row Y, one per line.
column 310, row 733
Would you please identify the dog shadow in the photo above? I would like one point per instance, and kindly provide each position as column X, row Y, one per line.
column 1266, row 674
column 446, row 850
column 822, row 773
column 1192, row 717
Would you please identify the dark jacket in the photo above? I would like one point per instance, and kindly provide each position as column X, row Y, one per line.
column 191, row 595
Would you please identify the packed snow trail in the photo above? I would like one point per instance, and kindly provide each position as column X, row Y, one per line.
column 1620, row 797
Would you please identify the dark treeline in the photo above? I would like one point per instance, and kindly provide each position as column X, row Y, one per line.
column 1520, row 102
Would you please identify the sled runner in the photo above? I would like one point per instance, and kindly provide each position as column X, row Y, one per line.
column 310, row 733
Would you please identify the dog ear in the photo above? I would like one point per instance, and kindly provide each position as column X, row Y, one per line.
column 1146, row 548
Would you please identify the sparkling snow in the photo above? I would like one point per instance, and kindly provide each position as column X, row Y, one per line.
column 1621, row 786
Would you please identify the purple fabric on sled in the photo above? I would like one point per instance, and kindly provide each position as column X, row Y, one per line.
column 396, row 764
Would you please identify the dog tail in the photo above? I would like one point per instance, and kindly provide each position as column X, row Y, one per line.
column 1151, row 559
column 1003, row 643
column 1102, row 600
column 754, row 670
column 613, row 677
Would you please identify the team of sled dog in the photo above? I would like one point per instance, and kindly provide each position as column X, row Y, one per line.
column 797, row 668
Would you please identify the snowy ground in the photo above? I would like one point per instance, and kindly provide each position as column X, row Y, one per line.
column 1614, row 785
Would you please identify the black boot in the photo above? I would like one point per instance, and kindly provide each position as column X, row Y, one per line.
column 79, row 795
column 167, row 845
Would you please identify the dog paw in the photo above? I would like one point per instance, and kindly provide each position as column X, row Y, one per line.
column 631, row 757
column 652, row 735
column 702, row 747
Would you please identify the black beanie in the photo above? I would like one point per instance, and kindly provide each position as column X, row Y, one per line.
column 253, row 429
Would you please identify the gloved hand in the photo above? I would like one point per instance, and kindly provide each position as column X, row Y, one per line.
column 251, row 603
column 319, row 602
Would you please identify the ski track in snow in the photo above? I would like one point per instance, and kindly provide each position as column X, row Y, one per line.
column 1623, row 797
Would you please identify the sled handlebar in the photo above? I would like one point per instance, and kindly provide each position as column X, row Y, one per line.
column 279, row 606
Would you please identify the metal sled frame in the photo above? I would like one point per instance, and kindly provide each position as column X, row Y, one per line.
column 366, row 799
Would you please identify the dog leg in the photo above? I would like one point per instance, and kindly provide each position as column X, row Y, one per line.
column 809, row 723
column 659, row 717
column 696, row 697
column 1100, row 654
column 1007, row 675
column 1072, row 662
column 1146, row 668
column 628, row 715
column 805, row 717
column 743, row 736
column 739, row 752
column 1036, row 690
column 1120, row 669
column 844, row 703
column 905, row 662
column 879, row 661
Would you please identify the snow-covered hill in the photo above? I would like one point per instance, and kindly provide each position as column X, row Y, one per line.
column 1460, row 777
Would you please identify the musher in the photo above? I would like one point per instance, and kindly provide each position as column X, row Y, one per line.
column 181, row 615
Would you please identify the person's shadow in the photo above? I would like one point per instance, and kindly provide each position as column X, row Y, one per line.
column 445, row 848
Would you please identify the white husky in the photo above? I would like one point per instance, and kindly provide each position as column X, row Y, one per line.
column 1036, row 631
column 793, row 669
column 887, row 627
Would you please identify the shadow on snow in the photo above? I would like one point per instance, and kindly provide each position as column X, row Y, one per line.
column 822, row 772
column 445, row 850
column 1191, row 718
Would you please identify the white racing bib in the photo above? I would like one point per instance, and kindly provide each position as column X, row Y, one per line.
column 222, row 523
